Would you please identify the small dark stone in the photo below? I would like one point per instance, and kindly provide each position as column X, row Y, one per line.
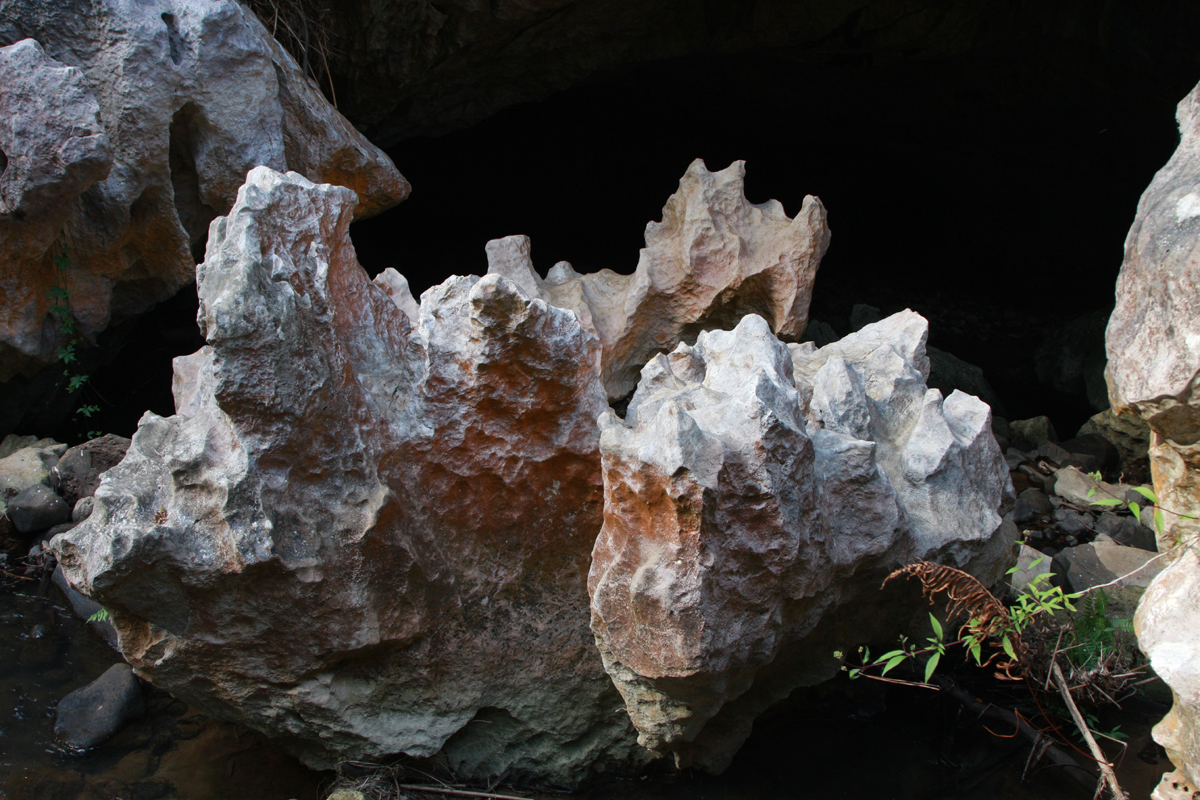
column 57, row 529
column 1082, row 462
column 1096, row 446
column 37, row 508
column 1052, row 452
column 1126, row 531
column 78, row 471
column 1073, row 523
column 1037, row 500
column 82, row 510
column 88, row 716
column 1022, row 512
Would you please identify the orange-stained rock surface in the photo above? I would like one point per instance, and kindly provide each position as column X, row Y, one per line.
column 125, row 128
column 368, row 529
column 753, row 493
column 1153, row 343
column 714, row 258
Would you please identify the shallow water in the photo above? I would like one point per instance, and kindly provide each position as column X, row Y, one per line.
column 172, row 751
column 870, row 742
column 849, row 741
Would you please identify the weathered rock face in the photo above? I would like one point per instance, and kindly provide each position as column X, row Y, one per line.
column 364, row 534
column 368, row 528
column 713, row 259
column 748, row 487
column 423, row 67
column 1153, row 343
column 125, row 128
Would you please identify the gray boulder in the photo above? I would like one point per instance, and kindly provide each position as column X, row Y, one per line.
column 1104, row 561
column 1073, row 523
column 78, row 472
column 365, row 534
column 1127, row 432
column 1103, row 452
column 132, row 125
column 93, row 713
column 735, row 506
column 1037, row 500
column 37, row 508
column 1127, row 531
column 1028, row 434
column 82, row 509
column 1153, row 343
column 12, row 443
column 28, row 466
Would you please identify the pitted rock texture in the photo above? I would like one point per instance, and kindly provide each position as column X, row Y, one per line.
column 714, row 258
column 749, row 489
column 368, row 528
column 364, row 536
column 1153, row 343
column 125, row 128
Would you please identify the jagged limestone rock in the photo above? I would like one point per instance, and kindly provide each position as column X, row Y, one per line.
column 714, row 258
column 1153, row 343
column 368, row 528
column 125, row 128
column 750, row 490
column 364, row 536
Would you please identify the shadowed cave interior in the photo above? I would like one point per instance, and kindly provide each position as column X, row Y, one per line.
column 989, row 191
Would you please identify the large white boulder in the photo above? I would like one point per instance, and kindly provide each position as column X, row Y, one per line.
column 1153, row 343
column 368, row 528
column 750, row 493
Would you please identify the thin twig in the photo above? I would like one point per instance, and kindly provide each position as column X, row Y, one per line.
column 1051, row 752
column 412, row 787
column 1106, row 770
column 1131, row 573
column 18, row 577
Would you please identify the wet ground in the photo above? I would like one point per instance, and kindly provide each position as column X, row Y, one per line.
column 849, row 741
column 170, row 752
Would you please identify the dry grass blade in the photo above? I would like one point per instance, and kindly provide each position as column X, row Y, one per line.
column 1106, row 769
column 303, row 28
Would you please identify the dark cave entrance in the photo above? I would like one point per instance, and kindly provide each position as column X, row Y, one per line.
column 991, row 191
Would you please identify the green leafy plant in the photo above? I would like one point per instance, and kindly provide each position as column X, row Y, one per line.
column 1025, row 639
column 60, row 310
column 99, row 616
column 1135, row 508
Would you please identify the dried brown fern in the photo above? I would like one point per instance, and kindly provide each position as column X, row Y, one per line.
column 987, row 618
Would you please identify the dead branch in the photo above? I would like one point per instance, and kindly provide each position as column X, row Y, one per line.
column 412, row 787
column 1106, row 770
column 1036, row 738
